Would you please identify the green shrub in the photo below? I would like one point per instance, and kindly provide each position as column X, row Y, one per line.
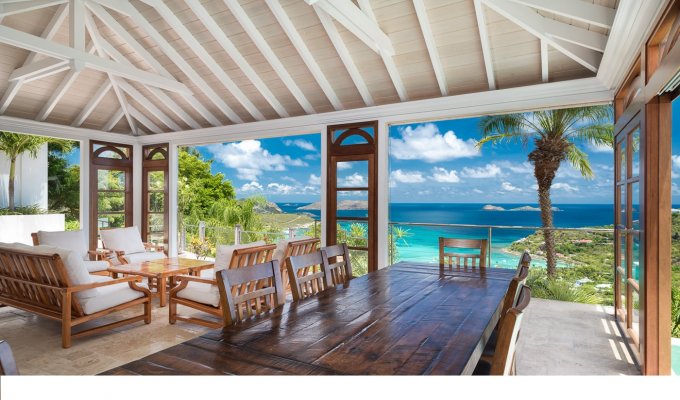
column 72, row 225
column 561, row 289
column 26, row 210
column 675, row 312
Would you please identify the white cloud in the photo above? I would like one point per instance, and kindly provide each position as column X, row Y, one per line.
column 599, row 148
column 488, row 171
column 253, row 186
column 440, row 174
column 564, row 186
column 314, row 180
column 426, row 143
column 509, row 187
column 523, row 168
column 250, row 159
column 303, row 144
column 675, row 171
column 280, row 188
column 344, row 165
column 354, row 180
column 477, row 191
column 406, row 176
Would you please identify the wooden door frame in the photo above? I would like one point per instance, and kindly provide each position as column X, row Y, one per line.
column 149, row 165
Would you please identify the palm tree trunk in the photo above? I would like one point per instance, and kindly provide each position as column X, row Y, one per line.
column 547, row 220
column 12, row 173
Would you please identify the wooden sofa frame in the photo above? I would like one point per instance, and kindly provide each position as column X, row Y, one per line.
column 39, row 284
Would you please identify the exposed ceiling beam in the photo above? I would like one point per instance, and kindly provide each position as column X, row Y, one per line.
column 143, row 119
column 127, row 9
column 345, row 56
column 544, row 61
column 92, row 103
column 233, row 52
column 486, row 46
column 113, row 120
column 306, row 55
column 390, row 65
column 144, row 102
column 357, row 22
column 425, row 28
column 76, row 25
column 17, row 38
column 547, row 30
column 48, row 33
column 204, row 55
column 17, row 7
column 39, row 69
column 579, row 10
column 271, row 57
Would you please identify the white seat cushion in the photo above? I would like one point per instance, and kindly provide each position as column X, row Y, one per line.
column 123, row 239
column 145, row 256
column 96, row 266
column 109, row 296
column 70, row 240
column 225, row 253
column 208, row 273
column 202, row 293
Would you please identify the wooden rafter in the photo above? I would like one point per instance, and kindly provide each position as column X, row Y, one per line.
column 583, row 11
column 92, row 103
column 17, row 7
column 544, row 61
column 426, row 30
column 486, row 46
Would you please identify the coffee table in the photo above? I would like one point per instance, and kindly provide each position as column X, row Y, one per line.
column 162, row 270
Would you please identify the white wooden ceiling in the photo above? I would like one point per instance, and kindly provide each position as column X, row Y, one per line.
column 162, row 66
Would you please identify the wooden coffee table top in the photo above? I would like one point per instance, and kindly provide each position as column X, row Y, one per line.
column 162, row 267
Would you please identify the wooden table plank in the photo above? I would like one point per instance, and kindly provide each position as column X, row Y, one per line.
column 407, row 319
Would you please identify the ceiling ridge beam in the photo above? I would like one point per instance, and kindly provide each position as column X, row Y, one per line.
column 345, row 56
column 534, row 23
column 357, row 22
column 206, row 58
column 127, row 9
column 76, row 25
column 582, row 11
column 424, row 22
column 17, row 38
column 233, row 52
column 390, row 65
column 17, row 7
column 304, row 52
column 48, row 33
column 486, row 45
column 92, row 103
column 251, row 30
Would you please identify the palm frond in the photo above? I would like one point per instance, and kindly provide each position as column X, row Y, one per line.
column 579, row 160
column 503, row 137
column 499, row 128
column 599, row 134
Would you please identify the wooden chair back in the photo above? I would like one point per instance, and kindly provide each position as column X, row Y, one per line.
column 7, row 364
column 524, row 260
column 468, row 259
column 35, row 281
column 339, row 264
column 249, row 256
column 504, row 355
column 296, row 248
column 249, row 292
column 308, row 275
column 512, row 295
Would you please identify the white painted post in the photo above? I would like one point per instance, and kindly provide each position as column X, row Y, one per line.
column 85, row 187
column 173, row 171
column 201, row 230
column 324, row 183
column 137, row 158
column 383, row 193
column 237, row 234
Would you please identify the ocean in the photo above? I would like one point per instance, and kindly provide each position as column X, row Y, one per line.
column 422, row 242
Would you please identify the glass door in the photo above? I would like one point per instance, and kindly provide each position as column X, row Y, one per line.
column 155, row 195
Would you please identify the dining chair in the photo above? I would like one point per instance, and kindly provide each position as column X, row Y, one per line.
column 308, row 275
column 293, row 247
column 503, row 360
column 7, row 364
column 524, row 259
column 338, row 261
column 248, row 292
column 468, row 259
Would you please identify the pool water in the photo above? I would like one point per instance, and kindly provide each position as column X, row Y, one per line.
column 675, row 356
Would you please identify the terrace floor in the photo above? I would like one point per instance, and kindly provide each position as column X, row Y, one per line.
column 558, row 338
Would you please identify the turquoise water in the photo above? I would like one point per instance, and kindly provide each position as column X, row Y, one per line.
column 675, row 356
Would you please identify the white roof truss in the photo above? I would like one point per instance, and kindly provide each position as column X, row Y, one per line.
column 16, row 7
column 424, row 21
column 575, row 9
column 544, row 61
column 486, row 47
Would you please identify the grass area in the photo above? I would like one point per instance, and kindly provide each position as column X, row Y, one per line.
column 282, row 221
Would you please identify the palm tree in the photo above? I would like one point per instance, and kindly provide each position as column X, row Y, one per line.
column 14, row 145
column 555, row 135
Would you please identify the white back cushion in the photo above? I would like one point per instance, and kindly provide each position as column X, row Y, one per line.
column 71, row 240
column 126, row 239
column 281, row 247
column 224, row 253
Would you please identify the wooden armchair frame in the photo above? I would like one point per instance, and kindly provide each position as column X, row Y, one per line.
column 120, row 254
column 475, row 260
column 39, row 284
column 241, row 258
column 94, row 255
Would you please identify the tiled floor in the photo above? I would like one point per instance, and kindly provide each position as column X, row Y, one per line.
column 557, row 338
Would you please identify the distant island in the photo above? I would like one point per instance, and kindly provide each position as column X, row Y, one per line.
column 490, row 207
column 342, row 205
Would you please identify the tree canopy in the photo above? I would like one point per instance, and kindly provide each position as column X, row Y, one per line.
column 198, row 188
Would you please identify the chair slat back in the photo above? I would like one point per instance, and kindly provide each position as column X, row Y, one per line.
column 512, row 295
column 460, row 259
column 308, row 274
column 249, row 256
column 339, row 264
column 8, row 365
column 35, row 279
column 296, row 248
column 504, row 353
column 524, row 260
column 249, row 292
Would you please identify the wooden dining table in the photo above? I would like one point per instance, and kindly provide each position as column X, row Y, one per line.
column 409, row 318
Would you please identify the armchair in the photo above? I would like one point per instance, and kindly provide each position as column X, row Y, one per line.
column 127, row 245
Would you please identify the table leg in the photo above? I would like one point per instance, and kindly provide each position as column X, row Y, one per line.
column 162, row 282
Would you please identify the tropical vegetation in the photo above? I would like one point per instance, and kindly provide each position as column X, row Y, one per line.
column 556, row 136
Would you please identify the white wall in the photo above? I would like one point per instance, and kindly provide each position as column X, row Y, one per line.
column 30, row 185
column 18, row 228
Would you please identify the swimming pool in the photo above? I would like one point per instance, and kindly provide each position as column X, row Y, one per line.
column 675, row 356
